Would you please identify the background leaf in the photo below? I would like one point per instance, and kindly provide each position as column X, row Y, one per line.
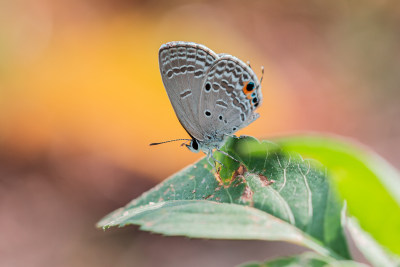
column 271, row 180
column 370, row 185
column 306, row 259
column 372, row 251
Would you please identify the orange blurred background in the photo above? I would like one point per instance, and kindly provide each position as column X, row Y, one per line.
column 81, row 98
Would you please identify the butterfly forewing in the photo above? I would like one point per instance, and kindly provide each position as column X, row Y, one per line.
column 229, row 95
column 183, row 67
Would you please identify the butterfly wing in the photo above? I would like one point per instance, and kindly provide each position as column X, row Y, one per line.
column 183, row 67
column 229, row 97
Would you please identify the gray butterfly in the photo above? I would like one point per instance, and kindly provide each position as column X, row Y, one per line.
column 213, row 95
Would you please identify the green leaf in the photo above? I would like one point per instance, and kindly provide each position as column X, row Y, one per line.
column 305, row 260
column 274, row 182
column 372, row 251
column 370, row 185
column 208, row 219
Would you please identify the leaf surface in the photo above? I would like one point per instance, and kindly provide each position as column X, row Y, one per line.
column 368, row 183
column 306, row 259
column 280, row 186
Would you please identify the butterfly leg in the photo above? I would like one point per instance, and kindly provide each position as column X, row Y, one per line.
column 209, row 162
column 215, row 160
column 226, row 154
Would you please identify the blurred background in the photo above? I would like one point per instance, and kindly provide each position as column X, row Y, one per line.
column 81, row 98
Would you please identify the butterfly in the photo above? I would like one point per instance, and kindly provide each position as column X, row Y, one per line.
column 213, row 95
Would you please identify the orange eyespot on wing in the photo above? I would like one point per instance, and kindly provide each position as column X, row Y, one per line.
column 251, row 94
column 248, row 88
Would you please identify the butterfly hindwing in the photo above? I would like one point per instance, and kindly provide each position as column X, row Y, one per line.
column 229, row 96
column 183, row 67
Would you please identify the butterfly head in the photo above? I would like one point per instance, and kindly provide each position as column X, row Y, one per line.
column 193, row 146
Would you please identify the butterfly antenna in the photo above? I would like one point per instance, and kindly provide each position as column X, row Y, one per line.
column 262, row 73
column 154, row 144
column 248, row 64
column 185, row 143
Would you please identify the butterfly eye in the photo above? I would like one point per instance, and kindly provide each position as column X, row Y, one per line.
column 194, row 144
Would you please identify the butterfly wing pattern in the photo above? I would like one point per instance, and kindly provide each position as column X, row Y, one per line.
column 183, row 67
column 213, row 95
column 229, row 96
